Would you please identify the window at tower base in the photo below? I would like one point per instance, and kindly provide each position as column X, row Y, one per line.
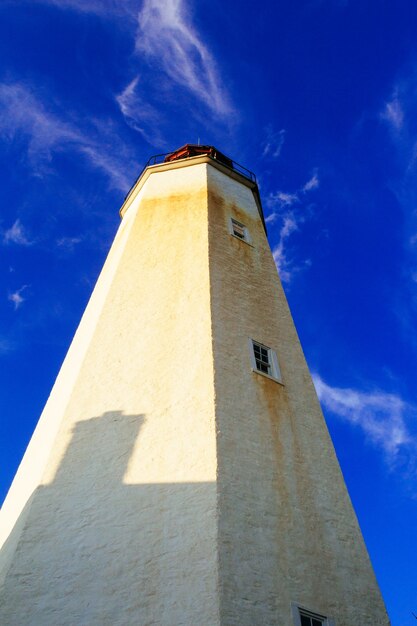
column 304, row 617
column 264, row 361
column 310, row 619
column 239, row 230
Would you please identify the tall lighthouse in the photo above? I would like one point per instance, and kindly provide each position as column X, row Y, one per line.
column 181, row 473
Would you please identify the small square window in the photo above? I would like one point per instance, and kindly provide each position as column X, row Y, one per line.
column 264, row 360
column 304, row 617
column 308, row 619
column 239, row 230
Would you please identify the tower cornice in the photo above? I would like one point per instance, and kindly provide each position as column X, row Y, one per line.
column 187, row 162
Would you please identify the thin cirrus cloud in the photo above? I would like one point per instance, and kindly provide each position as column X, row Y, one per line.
column 280, row 199
column 289, row 225
column 140, row 114
column 68, row 243
column 397, row 115
column 312, row 183
column 166, row 38
column 393, row 113
column 6, row 345
column 382, row 417
column 17, row 235
column 283, row 205
column 283, row 199
column 48, row 132
column 16, row 298
column 169, row 41
column 273, row 143
column 102, row 8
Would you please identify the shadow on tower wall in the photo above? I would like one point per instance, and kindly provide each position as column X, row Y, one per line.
column 93, row 551
column 96, row 551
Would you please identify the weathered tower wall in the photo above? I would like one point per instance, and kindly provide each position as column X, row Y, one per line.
column 167, row 483
column 287, row 530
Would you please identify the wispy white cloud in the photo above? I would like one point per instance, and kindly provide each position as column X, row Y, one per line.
column 22, row 112
column 16, row 234
column 103, row 158
column 397, row 115
column 6, row 345
column 102, row 8
column 281, row 199
column 129, row 102
column 140, row 114
column 312, row 183
column 393, row 113
column 49, row 130
column 284, row 199
column 68, row 243
column 16, row 297
column 283, row 207
column 273, row 143
column 289, row 225
column 167, row 37
column 384, row 418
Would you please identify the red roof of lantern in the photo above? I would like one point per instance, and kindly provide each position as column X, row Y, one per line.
column 192, row 150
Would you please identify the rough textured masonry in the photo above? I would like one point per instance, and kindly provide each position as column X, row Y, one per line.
column 167, row 483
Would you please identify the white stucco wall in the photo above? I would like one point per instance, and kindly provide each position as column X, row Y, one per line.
column 120, row 475
column 166, row 483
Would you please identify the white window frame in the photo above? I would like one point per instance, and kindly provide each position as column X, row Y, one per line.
column 272, row 358
column 297, row 609
column 246, row 238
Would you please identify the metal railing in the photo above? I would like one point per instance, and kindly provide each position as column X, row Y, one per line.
column 157, row 159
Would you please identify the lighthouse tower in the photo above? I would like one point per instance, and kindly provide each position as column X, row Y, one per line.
column 181, row 472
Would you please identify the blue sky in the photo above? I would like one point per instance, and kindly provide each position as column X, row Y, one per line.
column 318, row 97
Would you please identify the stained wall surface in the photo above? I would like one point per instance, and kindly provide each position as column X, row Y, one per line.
column 167, row 483
column 113, row 511
column 287, row 530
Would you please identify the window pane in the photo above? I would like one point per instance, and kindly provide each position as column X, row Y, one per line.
column 239, row 230
column 263, row 363
column 262, row 367
column 317, row 622
column 305, row 621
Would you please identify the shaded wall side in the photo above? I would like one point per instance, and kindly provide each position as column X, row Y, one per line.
column 123, row 528
column 287, row 530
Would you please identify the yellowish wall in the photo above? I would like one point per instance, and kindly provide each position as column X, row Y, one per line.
column 166, row 483
column 122, row 527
